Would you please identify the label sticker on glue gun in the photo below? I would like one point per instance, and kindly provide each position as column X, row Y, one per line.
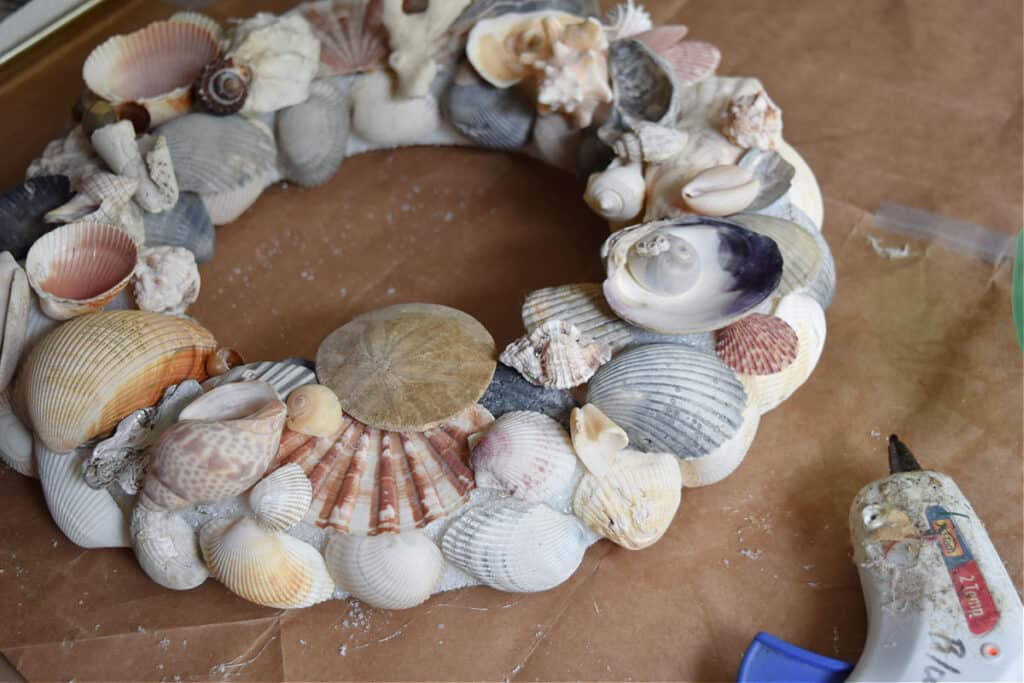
column 975, row 599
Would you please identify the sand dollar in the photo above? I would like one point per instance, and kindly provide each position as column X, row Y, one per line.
column 407, row 367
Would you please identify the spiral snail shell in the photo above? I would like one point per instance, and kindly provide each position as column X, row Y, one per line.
column 223, row 85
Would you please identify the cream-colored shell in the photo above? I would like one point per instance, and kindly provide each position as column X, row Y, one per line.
column 282, row 498
column 15, row 301
column 148, row 161
column 89, row 373
column 634, row 502
column 284, row 377
column 314, row 410
column 416, row 39
column 501, row 48
column 596, row 439
column 283, row 56
column 721, row 190
column 265, row 567
column 389, row 571
column 618, row 192
column 15, row 440
column 167, row 549
column 383, row 119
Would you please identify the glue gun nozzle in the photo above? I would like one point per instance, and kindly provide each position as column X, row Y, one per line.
column 900, row 457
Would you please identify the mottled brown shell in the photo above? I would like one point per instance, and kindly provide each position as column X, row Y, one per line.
column 222, row 86
column 757, row 345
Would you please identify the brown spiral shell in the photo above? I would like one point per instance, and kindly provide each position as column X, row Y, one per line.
column 222, row 86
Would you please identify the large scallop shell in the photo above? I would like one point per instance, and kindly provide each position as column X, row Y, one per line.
column 82, row 378
column 689, row 275
column 15, row 302
column 222, row 444
column 312, row 136
column 186, row 224
column 15, row 440
column 528, row 456
column 352, row 37
column 367, row 481
column 757, row 345
column 491, row 117
column 515, row 546
column 154, row 67
column 167, row 549
column 89, row 517
column 634, row 502
column 282, row 498
column 556, row 355
column 265, row 567
column 407, row 367
column 22, row 209
column 391, row 571
column 80, row 267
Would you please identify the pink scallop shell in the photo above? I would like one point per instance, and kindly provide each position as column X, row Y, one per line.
column 757, row 345
column 352, row 37
column 691, row 60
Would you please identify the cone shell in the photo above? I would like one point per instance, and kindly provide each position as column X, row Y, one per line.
column 596, row 439
column 80, row 267
column 670, row 399
column 352, row 37
column 88, row 517
column 15, row 440
column 22, row 209
column 88, row 374
column 167, row 549
column 15, row 302
column 634, row 503
column 757, row 345
column 268, row 568
column 556, row 355
column 281, row 499
column 312, row 136
column 285, row 377
column 154, row 67
column 528, row 456
column 368, row 481
column 223, row 443
column 515, row 546
column 390, row 571
column 314, row 410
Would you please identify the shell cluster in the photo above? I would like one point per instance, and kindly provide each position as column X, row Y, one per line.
column 406, row 457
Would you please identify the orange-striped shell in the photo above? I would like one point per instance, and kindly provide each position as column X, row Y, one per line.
column 367, row 481
column 89, row 373
column 757, row 345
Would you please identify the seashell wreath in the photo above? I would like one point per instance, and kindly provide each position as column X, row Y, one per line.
column 406, row 460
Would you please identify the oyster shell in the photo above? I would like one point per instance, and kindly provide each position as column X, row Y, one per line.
column 390, row 571
column 643, row 84
column 556, row 355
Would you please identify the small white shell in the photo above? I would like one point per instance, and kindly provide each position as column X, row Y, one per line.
column 556, row 355
column 382, row 119
column 89, row 517
column 166, row 280
column 515, row 546
column 283, row 56
column 596, row 439
column 528, row 456
column 282, row 498
column 265, row 567
column 314, row 410
column 148, row 160
column 721, row 190
column 15, row 440
column 167, row 549
column 389, row 571
column 617, row 193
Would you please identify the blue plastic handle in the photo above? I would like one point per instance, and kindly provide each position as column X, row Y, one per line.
column 773, row 660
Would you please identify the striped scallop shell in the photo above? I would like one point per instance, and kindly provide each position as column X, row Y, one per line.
column 368, row 481
column 757, row 345
column 515, row 546
column 89, row 517
column 806, row 317
column 390, row 571
column 670, row 399
column 82, row 378
column 284, row 376
column 528, row 456
column 265, row 567
column 312, row 136
column 281, row 499
column 15, row 302
column 634, row 503
column 352, row 37
column 15, row 440
column 728, row 456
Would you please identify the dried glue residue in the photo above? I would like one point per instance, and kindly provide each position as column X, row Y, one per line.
column 891, row 253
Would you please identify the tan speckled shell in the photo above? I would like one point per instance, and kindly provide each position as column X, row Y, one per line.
column 89, row 373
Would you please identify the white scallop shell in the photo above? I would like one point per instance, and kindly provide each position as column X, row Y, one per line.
column 634, row 503
column 15, row 301
column 312, row 136
column 389, row 571
column 15, row 440
column 283, row 56
column 285, row 377
column 515, row 546
column 282, row 498
column 265, row 567
column 89, row 517
column 167, row 549
column 528, row 456
column 805, row 315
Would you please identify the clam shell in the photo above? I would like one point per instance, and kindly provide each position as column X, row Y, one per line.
column 314, row 410
column 312, row 136
column 154, row 66
column 285, row 377
column 515, row 546
column 265, row 567
column 596, row 439
column 187, row 224
column 80, row 267
column 670, row 398
column 283, row 56
column 352, row 37
column 804, row 315
column 222, row 86
column 407, row 367
column 510, row 391
column 15, row 440
column 22, row 209
column 367, row 481
column 556, row 355
column 727, row 457
column 88, row 517
column 82, row 378
column 282, row 498
column 491, row 117
column 15, row 301
column 633, row 504
column 167, row 549
column 199, row 144
column 391, row 571
column 528, row 456
column 223, row 443
column 642, row 82
column 757, row 345
column 721, row 190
